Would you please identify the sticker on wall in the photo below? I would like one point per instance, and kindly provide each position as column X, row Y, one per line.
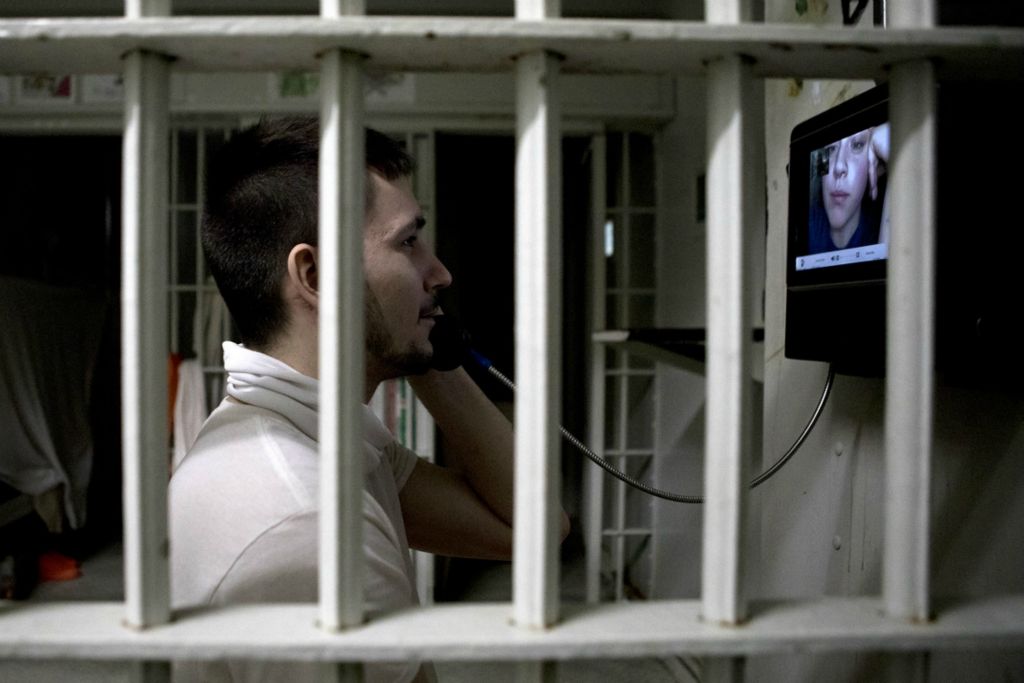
column 45, row 89
column 100, row 88
column 380, row 88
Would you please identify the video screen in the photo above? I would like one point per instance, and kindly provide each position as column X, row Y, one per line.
column 848, row 216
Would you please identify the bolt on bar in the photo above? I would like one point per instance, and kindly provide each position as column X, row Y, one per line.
column 910, row 350
column 731, row 219
column 144, row 324
column 538, row 340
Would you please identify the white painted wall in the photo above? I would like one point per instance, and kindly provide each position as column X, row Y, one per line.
column 475, row 100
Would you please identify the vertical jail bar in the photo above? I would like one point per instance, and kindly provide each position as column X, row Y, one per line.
column 341, row 362
column 727, row 11
column 538, row 340
column 908, row 404
column 144, row 344
column 598, row 354
column 624, row 309
column 910, row 348
column 342, row 375
column 731, row 198
column 538, row 9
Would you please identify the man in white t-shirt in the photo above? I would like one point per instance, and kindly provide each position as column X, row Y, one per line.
column 244, row 501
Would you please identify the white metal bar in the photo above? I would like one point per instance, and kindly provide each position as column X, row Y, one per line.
column 481, row 632
column 199, row 336
column 594, row 482
column 910, row 349
column 622, row 410
column 172, row 249
column 730, row 220
column 144, row 344
column 538, row 9
column 727, row 12
column 139, row 9
column 334, row 9
column 538, row 293
column 423, row 147
column 913, row 14
column 341, row 361
column 420, row 44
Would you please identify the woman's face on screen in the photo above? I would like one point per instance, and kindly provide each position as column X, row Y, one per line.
column 842, row 189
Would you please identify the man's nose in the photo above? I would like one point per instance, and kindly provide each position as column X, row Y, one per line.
column 438, row 276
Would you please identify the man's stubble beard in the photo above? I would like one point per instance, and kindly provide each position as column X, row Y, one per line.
column 381, row 345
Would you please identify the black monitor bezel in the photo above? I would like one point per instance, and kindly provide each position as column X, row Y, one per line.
column 870, row 108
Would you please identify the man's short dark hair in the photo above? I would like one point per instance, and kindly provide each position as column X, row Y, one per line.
column 261, row 200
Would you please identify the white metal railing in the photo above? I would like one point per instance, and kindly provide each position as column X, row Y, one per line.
column 542, row 630
column 623, row 228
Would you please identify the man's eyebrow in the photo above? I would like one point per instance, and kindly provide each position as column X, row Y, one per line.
column 416, row 223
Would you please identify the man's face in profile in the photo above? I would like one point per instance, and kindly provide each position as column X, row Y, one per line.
column 403, row 276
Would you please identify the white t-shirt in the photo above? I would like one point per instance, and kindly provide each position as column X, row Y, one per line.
column 244, row 506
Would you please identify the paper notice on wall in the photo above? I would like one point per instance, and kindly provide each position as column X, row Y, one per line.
column 102, row 88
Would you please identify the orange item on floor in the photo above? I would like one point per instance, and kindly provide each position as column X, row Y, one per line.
column 57, row 567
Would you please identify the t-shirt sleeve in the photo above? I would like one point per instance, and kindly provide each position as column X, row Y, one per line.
column 402, row 461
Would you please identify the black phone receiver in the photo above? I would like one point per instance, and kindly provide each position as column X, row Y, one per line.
column 450, row 342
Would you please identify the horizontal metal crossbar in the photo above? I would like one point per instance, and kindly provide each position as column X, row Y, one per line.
column 484, row 632
column 489, row 44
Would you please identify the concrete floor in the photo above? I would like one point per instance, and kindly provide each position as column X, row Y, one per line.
column 476, row 582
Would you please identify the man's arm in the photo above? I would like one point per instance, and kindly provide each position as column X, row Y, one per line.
column 465, row 509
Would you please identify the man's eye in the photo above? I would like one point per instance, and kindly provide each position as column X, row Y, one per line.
column 409, row 241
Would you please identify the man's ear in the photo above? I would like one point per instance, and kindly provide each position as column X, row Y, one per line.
column 302, row 273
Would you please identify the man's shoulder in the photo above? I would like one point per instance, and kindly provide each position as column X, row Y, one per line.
column 248, row 473
column 240, row 430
